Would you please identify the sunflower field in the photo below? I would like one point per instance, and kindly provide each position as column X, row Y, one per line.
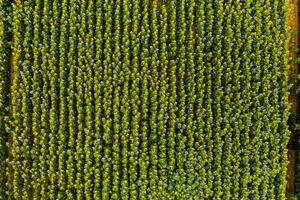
column 143, row 99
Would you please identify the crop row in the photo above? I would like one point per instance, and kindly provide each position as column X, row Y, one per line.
column 145, row 99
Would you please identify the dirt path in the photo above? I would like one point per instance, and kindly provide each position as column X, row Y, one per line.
column 294, row 41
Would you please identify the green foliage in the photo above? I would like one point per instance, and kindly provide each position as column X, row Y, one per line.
column 144, row 99
column 5, row 49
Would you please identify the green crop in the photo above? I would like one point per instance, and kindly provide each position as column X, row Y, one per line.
column 5, row 60
column 143, row 99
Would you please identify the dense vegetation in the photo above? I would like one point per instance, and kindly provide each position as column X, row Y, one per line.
column 5, row 48
column 143, row 99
